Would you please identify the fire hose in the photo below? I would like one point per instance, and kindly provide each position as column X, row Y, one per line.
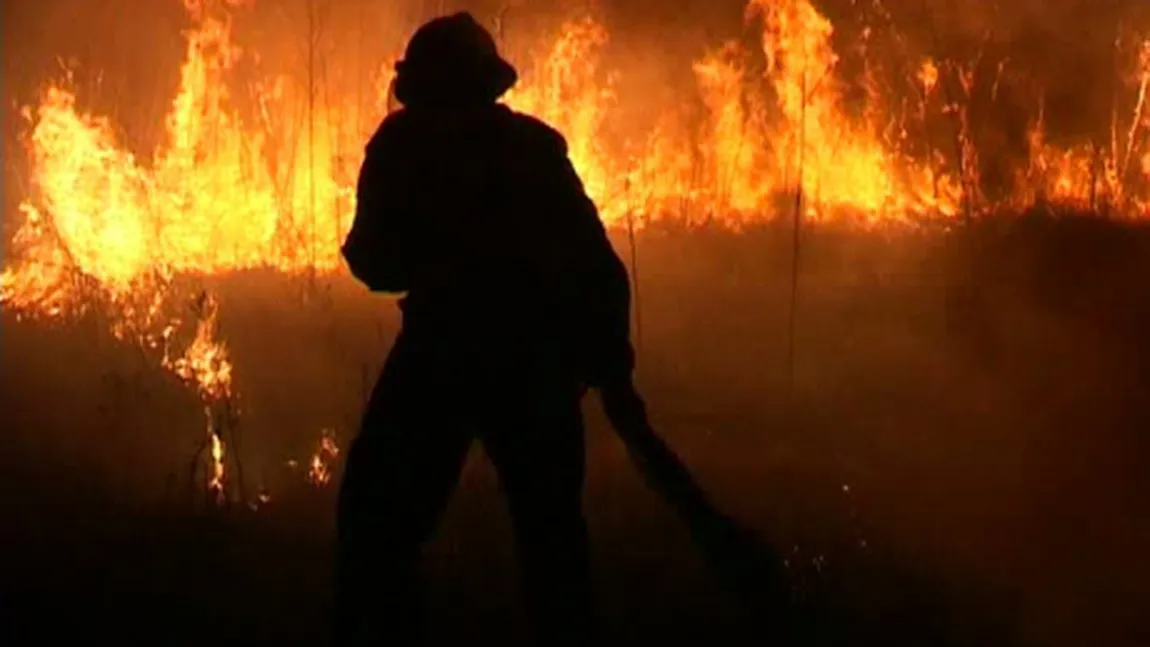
column 744, row 564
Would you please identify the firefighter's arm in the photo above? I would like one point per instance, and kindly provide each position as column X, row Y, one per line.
column 604, row 286
column 609, row 302
column 374, row 248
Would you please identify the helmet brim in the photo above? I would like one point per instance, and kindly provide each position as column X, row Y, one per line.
column 486, row 81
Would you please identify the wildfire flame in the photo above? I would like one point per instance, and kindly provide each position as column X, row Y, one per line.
column 216, row 472
column 222, row 194
column 320, row 473
column 1083, row 175
column 928, row 76
column 204, row 365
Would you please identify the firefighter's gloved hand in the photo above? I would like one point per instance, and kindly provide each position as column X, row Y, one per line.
column 623, row 406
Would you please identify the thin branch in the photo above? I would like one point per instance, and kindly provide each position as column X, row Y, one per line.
column 797, row 229
column 638, row 315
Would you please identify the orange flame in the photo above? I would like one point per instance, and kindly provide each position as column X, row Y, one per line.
column 216, row 472
column 204, row 363
column 928, row 76
column 1085, row 175
column 320, row 472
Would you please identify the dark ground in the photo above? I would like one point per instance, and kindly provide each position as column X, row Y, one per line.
column 982, row 396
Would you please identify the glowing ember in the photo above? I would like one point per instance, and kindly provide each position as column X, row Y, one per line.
column 320, row 473
column 262, row 499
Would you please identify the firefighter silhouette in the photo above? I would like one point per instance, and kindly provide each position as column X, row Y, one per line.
column 514, row 304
